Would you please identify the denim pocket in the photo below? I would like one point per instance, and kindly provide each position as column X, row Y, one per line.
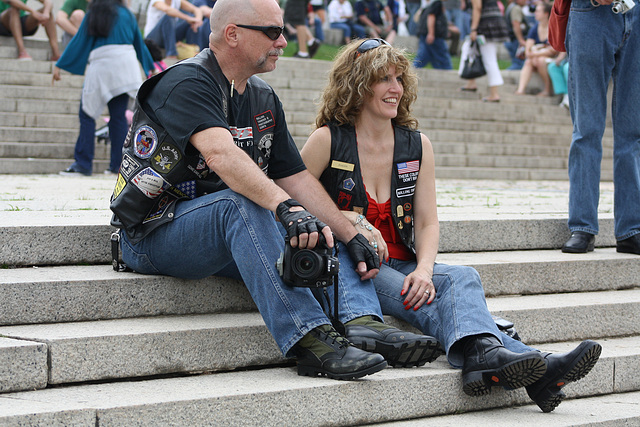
column 139, row 262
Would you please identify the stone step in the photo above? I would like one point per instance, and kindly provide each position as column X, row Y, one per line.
column 40, row 93
column 68, row 81
column 43, row 165
column 283, row 398
column 139, row 347
column 61, row 294
column 29, row 120
column 508, row 174
column 610, row 409
column 52, row 238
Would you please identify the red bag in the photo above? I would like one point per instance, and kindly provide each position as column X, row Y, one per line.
column 558, row 24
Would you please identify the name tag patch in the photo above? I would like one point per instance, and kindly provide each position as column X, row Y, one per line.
column 342, row 166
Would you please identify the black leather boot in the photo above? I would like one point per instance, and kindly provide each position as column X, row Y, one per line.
column 487, row 363
column 562, row 369
column 324, row 351
column 399, row 348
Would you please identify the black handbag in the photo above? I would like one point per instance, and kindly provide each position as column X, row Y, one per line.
column 473, row 66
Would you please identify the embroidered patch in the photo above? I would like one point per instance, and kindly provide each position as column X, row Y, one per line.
column 120, row 184
column 407, row 207
column 407, row 167
column 348, row 184
column 150, row 183
column 128, row 166
column 145, row 141
column 265, row 121
column 405, row 191
column 188, row 188
column 265, row 144
column 344, row 200
column 165, row 158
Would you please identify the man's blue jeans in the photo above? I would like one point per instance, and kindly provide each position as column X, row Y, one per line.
column 512, row 48
column 412, row 8
column 459, row 309
column 164, row 34
column 350, row 29
column 225, row 234
column 595, row 57
column 200, row 38
column 436, row 53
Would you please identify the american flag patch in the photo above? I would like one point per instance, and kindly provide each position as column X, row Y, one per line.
column 407, row 167
column 188, row 188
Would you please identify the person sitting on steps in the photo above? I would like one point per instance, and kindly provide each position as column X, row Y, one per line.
column 380, row 172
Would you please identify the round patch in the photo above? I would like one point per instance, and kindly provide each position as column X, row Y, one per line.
column 145, row 141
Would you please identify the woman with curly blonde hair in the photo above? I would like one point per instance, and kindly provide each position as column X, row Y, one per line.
column 350, row 83
column 379, row 170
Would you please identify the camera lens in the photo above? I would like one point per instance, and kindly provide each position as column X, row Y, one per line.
column 307, row 264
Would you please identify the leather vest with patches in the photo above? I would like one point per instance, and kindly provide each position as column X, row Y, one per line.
column 343, row 178
column 156, row 173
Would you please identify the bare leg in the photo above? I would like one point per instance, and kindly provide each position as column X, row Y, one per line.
column 525, row 76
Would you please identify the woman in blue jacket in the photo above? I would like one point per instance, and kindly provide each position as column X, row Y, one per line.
column 106, row 49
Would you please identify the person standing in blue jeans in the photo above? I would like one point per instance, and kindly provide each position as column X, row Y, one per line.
column 612, row 52
column 108, row 49
column 380, row 172
column 432, row 33
column 210, row 163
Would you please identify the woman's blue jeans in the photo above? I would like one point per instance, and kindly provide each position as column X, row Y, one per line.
column 225, row 234
column 459, row 309
column 602, row 46
column 436, row 53
column 86, row 143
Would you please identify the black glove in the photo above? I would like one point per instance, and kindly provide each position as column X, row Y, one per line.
column 360, row 250
column 297, row 222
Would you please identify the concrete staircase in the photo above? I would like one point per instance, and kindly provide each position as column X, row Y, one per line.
column 520, row 138
column 82, row 345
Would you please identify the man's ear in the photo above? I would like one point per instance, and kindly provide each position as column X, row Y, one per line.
column 231, row 35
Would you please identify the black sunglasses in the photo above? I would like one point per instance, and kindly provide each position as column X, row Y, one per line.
column 272, row 32
column 369, row 44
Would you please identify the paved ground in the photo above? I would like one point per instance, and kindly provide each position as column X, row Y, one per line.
column 457, row 199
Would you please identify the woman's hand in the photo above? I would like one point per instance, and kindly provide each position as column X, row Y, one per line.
column 55, row 76
column 418, row 288
column 373, row 236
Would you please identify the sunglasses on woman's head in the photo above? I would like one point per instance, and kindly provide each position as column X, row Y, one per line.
column 367, row 45
column 272, row 32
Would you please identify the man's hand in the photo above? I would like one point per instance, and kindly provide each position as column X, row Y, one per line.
column 366, row 258
column 302, row 227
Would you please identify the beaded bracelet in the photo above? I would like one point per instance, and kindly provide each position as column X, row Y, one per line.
column 360, row 221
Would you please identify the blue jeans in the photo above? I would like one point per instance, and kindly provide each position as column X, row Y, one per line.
column 595, row 57
column 199, row 38
column 412, row 8
column 512, row 47
column 349, row 29
column 164, row 34
column 459, row 309
column 436, row 53
column 465, row 23
column 225, row 234
column 86, row 142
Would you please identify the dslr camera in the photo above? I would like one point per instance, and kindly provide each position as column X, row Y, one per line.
column 622, row 6
column 308, row 268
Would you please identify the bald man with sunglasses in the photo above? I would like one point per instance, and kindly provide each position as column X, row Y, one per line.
column 208, row 161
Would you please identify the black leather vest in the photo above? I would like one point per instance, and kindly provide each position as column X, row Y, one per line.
column 343, row 179
column 156, row 173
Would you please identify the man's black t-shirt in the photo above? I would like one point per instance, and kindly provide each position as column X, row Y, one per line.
column 189, row 100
